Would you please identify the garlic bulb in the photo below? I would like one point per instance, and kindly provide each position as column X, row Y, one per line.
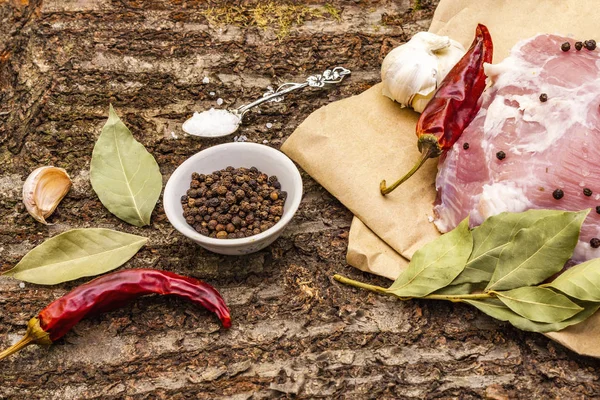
column 412, row 72
column 43, row 189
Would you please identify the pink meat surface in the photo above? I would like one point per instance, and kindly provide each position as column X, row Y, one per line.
column 548, row 145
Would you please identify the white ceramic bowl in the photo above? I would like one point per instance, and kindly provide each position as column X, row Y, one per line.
column 266, row 159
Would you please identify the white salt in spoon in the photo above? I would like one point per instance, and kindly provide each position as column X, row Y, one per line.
column 217, row 123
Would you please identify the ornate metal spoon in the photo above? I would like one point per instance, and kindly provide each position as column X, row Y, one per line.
column 216, row 123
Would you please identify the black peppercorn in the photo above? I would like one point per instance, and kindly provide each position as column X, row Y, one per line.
column 276, row 210
column 466, row 146
column 587, row 192
column 595, row 243
column 543, row 97
column 230, row 198
column 578, row 46
column 501, row 155
column 566, row 46
column 558, row 194
column 598, row 209
column 590, row 44
column 236, row 221
column 219, row 227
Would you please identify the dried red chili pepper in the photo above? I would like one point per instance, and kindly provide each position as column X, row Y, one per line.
column 110, row 292
column 453, row 106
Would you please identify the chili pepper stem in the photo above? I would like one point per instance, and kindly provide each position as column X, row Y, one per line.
column 35, row 334
column 429, row 149
column 24, row 342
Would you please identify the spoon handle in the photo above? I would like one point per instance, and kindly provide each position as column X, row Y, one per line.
column 330, row 76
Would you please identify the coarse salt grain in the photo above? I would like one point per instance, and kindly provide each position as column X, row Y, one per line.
column 212, row 93
column 219, row 101
column 205, row 80
column 429, row 218
column 22, row 285
column 212, row 123
column 269, row 125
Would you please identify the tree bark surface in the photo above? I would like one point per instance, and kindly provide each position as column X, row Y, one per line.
column 296, row 332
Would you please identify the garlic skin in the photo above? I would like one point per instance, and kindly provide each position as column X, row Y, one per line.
column 43, row 190
column 412, row 72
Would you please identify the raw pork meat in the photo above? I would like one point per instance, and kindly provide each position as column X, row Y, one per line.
column 549, row 145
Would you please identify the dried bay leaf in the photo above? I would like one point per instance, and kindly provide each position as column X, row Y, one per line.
column 460, row 289
column 490, row 238
column 581, row 281
column 75, row 254
column 539, row 304
column 537, row 252
column 496, row 309
column 124, row 175
column 436, row 264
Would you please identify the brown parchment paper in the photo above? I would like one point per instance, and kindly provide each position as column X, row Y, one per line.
column 350, row 145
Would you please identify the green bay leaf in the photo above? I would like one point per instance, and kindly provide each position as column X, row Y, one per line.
column 537, row 252
column 490, row 238
column 436, row 264
column 539, row 304
column 75, row 254
column 496, row 309
column 581, row 281
column 124, row 175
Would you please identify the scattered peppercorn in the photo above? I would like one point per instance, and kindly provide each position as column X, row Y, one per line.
column 543, row 97
column 465, row 145
column 595, row 243
column 566, row 46
column 598, row 209
column 578, row 46
column 590, row 44
column 587, row 192
column 558, row 194
column 233, row 203
column 500, row 155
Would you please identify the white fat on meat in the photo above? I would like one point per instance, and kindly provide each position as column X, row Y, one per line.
column 548, row 145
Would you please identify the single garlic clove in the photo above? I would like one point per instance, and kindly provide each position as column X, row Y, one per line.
column 43, row 190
